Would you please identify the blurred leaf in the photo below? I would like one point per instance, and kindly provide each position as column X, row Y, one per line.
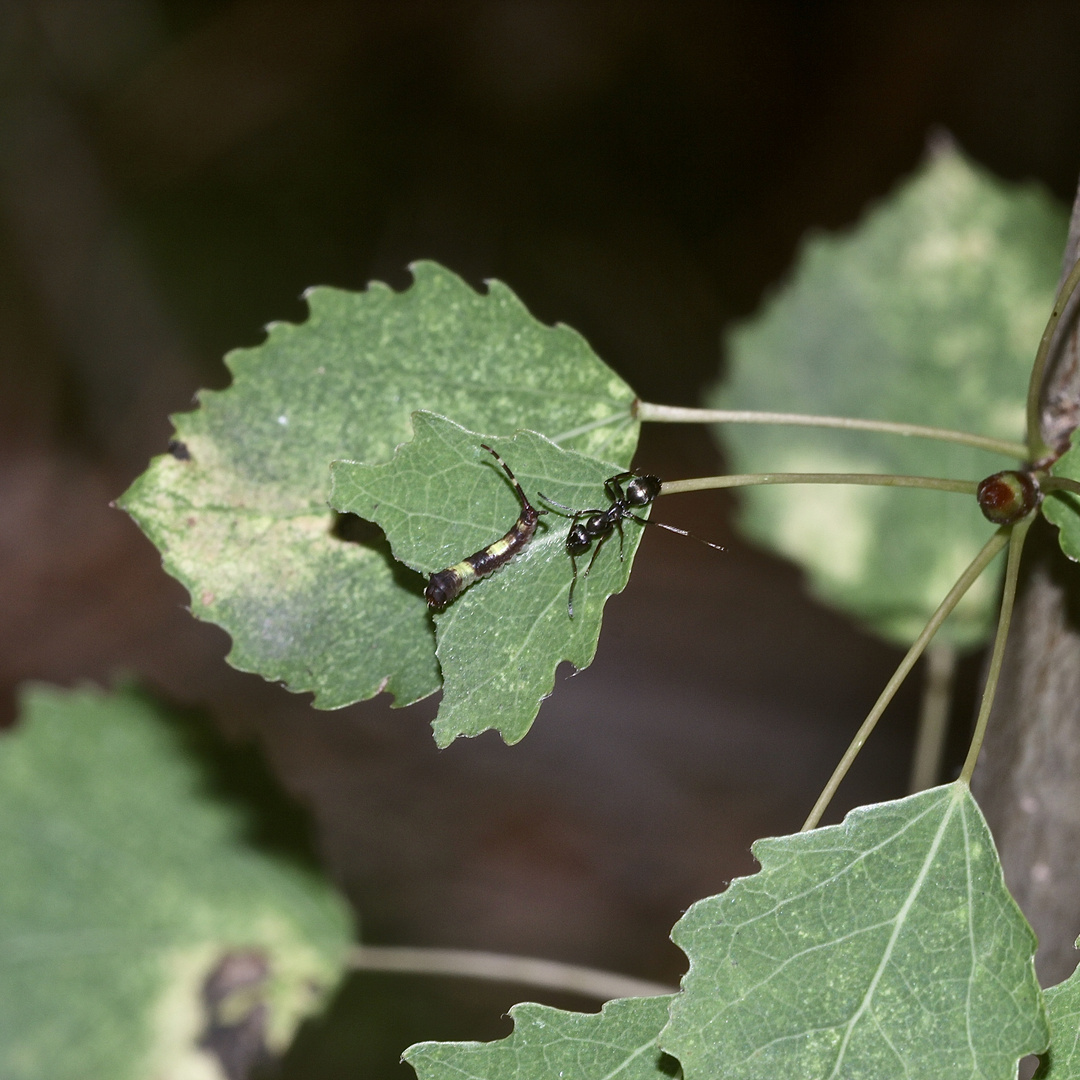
column 241, row 517
column 885, row 946
column 442, row 498
column 550, row 1044
column 1062, row 508
column 126, row 880
column 930, row 312
column 1062, row 1060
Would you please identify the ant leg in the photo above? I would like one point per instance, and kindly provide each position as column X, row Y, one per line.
column 613, row 486
column 573, row 582
column 618, row 525
column 596, row 551
column 575, row 545
column 674, row 529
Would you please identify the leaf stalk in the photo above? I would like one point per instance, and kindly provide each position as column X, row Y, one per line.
column 498, row 967
column 968, row 578
column 674, row 414
column 1008, row 598
column 707, row 483
column 1059, row 483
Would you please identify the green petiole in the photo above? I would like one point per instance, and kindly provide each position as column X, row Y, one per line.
column 673, row 414
column 1008, row 597
column 1059, row 483
column 708, row 483
column 968, row 578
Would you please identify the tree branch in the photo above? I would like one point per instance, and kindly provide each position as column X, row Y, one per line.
column 1028, row 778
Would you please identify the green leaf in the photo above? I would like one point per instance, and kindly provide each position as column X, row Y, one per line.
column 1062, row 1060
column 241, row 517
column 929, row 312
column 550, row 1044
column 442, row 498
column 885, row 946
column 126, row 878
column 1062, row 508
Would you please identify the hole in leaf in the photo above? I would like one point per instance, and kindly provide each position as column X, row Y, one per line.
column 669, row 1066
column 353, row 529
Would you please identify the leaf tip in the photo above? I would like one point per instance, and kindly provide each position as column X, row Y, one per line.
column 443, row 734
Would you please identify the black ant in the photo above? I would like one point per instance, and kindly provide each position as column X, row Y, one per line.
column 598, row 525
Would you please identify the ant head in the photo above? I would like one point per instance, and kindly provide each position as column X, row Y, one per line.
column 642, row 490
column 578, row 539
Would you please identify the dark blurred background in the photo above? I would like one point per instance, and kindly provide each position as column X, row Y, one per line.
column 173, row 173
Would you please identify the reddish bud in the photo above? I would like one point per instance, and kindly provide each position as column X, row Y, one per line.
column 1006, row 497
